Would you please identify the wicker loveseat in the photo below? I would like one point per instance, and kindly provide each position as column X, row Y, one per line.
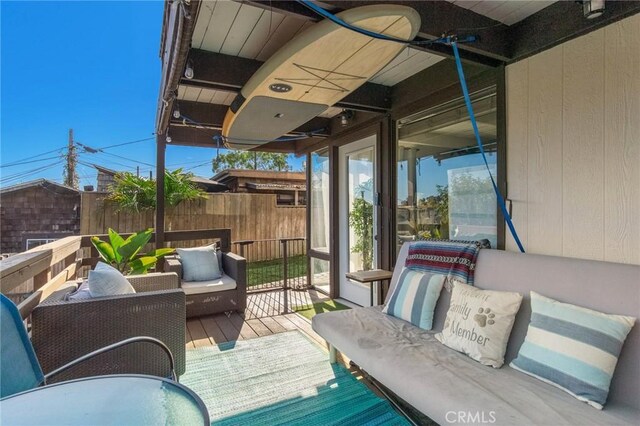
column 224, row 295
column 65, row 330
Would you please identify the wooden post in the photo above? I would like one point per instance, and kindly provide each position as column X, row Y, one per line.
column 161, row 147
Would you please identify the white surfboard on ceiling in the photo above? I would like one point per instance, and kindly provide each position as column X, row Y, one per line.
column 314, row 71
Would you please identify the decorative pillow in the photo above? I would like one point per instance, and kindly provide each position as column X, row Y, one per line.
column 479, row 323
column 105, row 280
column 81, row 293
column 200, row 263
column 414, row 297
column 573, row 348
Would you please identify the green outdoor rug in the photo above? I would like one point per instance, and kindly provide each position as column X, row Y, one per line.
column 308, row 311
column 282, row 379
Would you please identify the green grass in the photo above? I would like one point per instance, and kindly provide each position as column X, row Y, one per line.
column 308, row 311
column 267, row 271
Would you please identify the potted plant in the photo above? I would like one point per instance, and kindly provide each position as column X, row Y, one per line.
column 124, row 254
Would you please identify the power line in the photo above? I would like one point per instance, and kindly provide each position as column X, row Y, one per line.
column 33, row 156
column 21, row 175
column 128, row 143
column 28, row 162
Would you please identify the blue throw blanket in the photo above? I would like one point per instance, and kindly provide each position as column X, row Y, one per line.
column 454, row 259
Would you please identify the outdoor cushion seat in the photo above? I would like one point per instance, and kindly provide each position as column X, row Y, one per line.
column 225, row 294
column 436, row 379
column 199, row 287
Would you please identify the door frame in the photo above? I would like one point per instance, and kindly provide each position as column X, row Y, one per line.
column 342, row 189
column 381, row 129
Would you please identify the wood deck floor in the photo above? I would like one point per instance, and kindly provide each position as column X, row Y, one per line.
column 264, row 316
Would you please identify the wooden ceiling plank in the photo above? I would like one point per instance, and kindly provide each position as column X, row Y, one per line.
column 262, row 31
column 221, row 21
column 202, row 23
column 245, row 22
column 285, row 32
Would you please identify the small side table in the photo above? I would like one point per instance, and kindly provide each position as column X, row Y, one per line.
column 370, row 277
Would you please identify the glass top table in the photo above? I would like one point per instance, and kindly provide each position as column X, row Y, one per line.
column 106, row 400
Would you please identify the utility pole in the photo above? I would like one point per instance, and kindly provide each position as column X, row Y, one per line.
column 70, row 176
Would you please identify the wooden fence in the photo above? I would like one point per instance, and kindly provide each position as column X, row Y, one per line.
column 249, row 216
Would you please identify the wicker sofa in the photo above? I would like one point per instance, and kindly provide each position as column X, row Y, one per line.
column 65, row 330
column 224, row 295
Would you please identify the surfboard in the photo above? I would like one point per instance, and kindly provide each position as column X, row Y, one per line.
column 313, row 71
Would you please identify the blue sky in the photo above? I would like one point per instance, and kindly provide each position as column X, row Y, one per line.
column 91, row 66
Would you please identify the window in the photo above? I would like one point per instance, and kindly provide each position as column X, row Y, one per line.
column 35, row 242
column 319, row 202
column 444, row 190
column 318, row 206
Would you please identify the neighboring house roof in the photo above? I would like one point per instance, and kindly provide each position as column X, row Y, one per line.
column 38, row 182
column 259, row 174
column 276, row 186
column 209, row 185
column 104, row 170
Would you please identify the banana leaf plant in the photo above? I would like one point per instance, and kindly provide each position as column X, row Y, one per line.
column 124, row 254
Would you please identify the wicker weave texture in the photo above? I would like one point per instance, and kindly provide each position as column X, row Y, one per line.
column 64, row 330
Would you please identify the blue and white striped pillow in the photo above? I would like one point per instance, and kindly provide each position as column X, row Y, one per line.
column 414, row 297
column 573, row 348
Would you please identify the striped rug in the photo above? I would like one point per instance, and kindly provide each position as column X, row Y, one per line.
column 282, row 379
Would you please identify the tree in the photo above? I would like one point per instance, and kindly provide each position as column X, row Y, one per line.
column 135, row 194
column 251, row 160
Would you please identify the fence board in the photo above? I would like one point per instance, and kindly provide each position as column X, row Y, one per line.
column 249, row 216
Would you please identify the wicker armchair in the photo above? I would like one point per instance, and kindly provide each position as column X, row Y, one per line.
column 65, row 330
column 207, row 303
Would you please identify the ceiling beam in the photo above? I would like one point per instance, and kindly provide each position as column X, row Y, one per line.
column 190, row 136
column 437, row 17
column 230, row 73
column 212, row 116
column 561, row 22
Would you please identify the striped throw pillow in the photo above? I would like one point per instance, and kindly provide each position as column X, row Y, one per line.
column 573, row 348
column 414, row 297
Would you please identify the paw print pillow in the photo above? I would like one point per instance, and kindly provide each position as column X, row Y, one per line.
column 479, row 323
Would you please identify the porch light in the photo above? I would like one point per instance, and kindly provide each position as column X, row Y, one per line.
column 188, row 71
column 176, row 113
column 168, row 139
column 345, row 117
column 593, row 8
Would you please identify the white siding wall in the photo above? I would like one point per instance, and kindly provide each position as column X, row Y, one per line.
column 573, row 150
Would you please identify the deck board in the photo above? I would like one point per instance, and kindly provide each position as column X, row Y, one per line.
column 198, row 336
column 263, row 317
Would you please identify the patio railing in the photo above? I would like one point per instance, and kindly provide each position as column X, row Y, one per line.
column 274, row 264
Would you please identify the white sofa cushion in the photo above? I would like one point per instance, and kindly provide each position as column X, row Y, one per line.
column 223, row 283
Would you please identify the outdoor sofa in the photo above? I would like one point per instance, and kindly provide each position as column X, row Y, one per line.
column 449, row 387
column 63, row 330
column 228, row 293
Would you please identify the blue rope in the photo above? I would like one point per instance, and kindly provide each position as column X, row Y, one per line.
column 474, row 124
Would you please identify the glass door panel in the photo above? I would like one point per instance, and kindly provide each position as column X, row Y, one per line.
column 358, row 216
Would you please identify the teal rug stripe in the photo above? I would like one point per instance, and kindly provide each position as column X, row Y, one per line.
column 282, row 379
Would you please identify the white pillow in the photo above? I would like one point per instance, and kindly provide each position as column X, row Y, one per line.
column 479, row 323
column 200, row 263
column 81, row 293
column 105, row 280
